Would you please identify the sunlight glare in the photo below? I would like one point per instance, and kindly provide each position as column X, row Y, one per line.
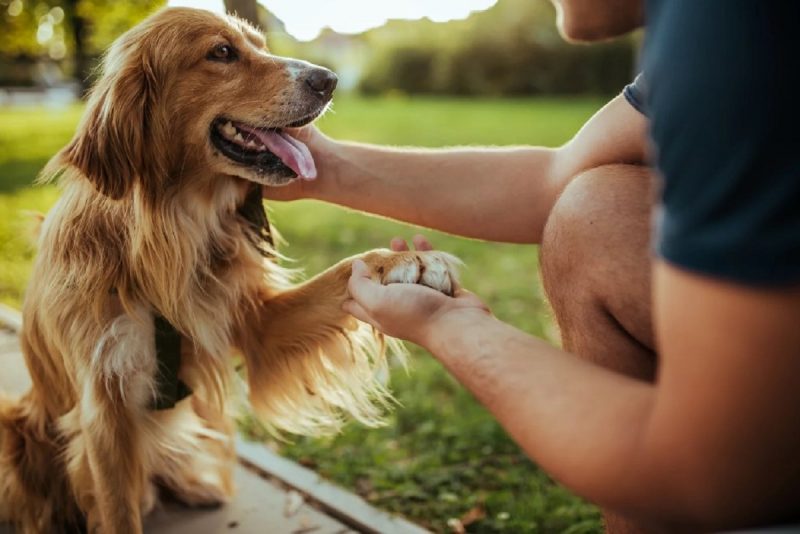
column 304, row 19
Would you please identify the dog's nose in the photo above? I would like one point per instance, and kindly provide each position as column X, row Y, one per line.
column 322, row 81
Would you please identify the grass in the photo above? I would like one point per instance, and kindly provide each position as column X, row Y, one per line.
column 442, row 456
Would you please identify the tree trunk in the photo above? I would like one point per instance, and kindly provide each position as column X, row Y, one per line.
column 79, row 27
column 246, row 9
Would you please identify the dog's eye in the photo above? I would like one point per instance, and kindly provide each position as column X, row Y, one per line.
column 224, row 53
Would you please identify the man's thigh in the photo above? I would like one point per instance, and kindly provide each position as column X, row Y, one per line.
column 596, row 263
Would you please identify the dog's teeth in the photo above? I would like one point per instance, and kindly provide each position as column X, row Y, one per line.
column 238, row 137
column 229, row 129
column 251, row 143
column 262, row 147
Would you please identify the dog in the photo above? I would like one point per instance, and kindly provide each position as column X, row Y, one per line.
column 156, row 277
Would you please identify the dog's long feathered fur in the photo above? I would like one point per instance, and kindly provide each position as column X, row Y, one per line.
column 149, row 223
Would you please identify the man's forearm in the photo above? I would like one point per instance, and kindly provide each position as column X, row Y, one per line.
column 583, row 424
column 499, row 194
column 494, row 194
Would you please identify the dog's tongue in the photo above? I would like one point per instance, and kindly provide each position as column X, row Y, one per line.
column 292, row 152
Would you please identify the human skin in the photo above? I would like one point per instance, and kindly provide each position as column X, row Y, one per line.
column 591, row 21
column 704, row 437
column 699, row 449
column 498, row 194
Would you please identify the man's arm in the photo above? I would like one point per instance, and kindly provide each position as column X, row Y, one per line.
column 712, row 444
column 499, row 194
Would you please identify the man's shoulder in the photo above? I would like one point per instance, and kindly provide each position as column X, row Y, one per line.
column 722, row 104
column 635, row 93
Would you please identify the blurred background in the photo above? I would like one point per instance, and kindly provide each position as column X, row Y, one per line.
column 414, row 72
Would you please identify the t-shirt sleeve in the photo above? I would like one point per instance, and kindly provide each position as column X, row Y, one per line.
column 634, row 93
column 723, row 105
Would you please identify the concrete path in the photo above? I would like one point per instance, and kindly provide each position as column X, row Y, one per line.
column 14, row 378
column 275, row 495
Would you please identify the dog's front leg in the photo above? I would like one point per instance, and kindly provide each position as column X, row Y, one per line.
column 113, row 408
column 308, row 361
column 110, row 438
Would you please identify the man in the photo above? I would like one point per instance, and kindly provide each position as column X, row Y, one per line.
column 680, row 412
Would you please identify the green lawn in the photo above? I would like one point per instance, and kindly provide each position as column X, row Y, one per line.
column 441, row 456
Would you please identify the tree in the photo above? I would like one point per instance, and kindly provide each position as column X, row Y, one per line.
column 79, row 28
column 512, row 48
column 69, row 33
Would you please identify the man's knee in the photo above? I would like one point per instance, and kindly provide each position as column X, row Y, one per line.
column 595, row 259
column 601, row 213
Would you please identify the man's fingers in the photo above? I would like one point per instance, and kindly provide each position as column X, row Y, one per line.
column 398, row 244
column 287, row 192
column 356, row 310
column 422, row 243
column 303, row 133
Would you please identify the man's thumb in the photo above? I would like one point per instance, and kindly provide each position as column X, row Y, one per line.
column 360, row 269
column 362, row 288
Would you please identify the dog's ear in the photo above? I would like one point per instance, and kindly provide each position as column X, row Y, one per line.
column 112, row 144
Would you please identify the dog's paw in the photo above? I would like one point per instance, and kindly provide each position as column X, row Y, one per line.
column 201, row 490
column 435, row 269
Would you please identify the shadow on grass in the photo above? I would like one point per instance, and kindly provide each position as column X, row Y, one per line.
column 18, row 174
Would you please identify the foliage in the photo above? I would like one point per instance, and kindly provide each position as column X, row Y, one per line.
column 442, row 457
column 70, row 33
column 511, row 49
column 108, row 19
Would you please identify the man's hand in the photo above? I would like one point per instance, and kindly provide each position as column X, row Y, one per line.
column 406, row 311
column 320, row 147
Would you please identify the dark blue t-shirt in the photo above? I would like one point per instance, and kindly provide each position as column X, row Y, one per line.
column 720, row 86
column 635, row 94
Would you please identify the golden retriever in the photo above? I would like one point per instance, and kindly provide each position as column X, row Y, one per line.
column 160, row 240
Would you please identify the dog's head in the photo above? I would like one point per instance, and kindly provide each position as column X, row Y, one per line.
column 189, row 94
